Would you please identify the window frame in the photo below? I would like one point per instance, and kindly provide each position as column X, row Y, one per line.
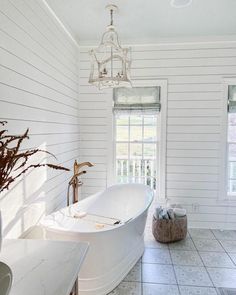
column 161, row 147
column 142, row 142
column 223, row 183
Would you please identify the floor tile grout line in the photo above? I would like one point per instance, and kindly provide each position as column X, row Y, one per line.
column 227, row 253
column 165, row 284
column 192, row 265
column 231, row 258
column 174, row 271
column 141, row 264
column 205, row 268
column 169, row 284
column 214, row 234
column 210, row 250
column 220, row 241
column 201, row 251
column 196, row 237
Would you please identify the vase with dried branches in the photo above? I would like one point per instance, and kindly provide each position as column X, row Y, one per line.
column 14, row 160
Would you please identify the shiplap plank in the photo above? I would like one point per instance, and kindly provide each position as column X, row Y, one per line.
column 94, row 144
column 184, row 62
column 93, row 152
column 95, row 121
column 37, row 127
column 190, row 112
column 192, row 161
column 194, row 129
column 206, row 105
column 172, row 80
column 15, row 14
column 14, row 95
column 197, row 217
column 180, row 145
column 16, row 48
column 13, row 32
column 18, row 65
column 192, row 169
column 88, row 105
column 97, row 183
column 181, row 46
column 196, row 177
column 93, row 113
column 195, row 96
column 193, row 153
column 189, row 121
column 21, row 111
column 51, row 29
column 193, row 137
column 38, row 90
column 195, row 87
column 191, row 193
column 177, row 53
column 49, row 140
column 160, row 72
column 18, row 81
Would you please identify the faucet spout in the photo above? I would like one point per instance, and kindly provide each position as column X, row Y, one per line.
column 78, row 166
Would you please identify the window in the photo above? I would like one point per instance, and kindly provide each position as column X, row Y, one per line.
column 231, row 146
column 136, row 149
column 136, row 114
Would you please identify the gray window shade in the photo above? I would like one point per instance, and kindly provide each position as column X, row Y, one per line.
column 232, row 99
column 137, row 100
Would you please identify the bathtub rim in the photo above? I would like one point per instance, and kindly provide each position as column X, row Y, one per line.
column 61, row 229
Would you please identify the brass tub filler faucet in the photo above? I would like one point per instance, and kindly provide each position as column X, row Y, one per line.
column 75, row 182
column 100, row 221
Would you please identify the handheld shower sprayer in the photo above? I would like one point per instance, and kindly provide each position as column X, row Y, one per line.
column 75, row 182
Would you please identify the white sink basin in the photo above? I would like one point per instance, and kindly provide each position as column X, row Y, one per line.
column 5, row 279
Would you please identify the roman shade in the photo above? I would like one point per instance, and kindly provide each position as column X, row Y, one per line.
column 137, row 100
column 232, row 99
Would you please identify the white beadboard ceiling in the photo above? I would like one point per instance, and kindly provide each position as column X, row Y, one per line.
column 140, row 21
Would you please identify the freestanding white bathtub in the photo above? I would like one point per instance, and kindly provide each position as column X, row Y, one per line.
column 113, row 249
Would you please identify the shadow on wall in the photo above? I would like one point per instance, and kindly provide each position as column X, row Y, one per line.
column 37, row 193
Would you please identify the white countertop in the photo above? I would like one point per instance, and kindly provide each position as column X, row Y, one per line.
column 43, row 267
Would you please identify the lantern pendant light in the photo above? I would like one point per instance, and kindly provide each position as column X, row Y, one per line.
column 110, row 63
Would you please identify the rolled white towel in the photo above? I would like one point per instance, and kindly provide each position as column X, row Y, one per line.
column 180, row 212
column 157, row 212
column 174, row 206
column 163, row 214
column 171, row 213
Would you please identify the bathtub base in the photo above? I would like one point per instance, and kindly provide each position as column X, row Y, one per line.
column 106, row 283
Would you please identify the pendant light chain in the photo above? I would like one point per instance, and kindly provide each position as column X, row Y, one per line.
column 111, row 13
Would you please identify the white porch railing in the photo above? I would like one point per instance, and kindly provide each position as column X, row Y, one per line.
column 137, row 171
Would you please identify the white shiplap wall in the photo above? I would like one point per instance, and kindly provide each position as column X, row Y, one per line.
column 39, row 90
column 194, row 72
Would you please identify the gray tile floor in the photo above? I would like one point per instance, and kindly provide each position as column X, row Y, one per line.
column 203, row 262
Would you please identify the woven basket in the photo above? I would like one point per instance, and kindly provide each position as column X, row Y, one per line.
column 166, row 231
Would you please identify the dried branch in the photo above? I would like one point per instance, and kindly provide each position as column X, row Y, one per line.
column 13, row 162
